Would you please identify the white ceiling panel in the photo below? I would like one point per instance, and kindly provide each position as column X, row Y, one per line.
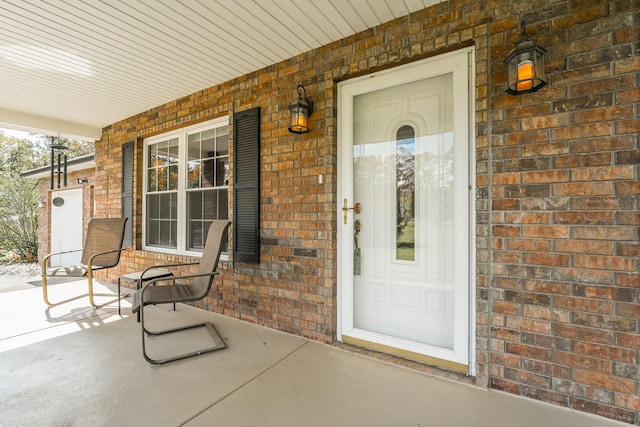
column 72, row 67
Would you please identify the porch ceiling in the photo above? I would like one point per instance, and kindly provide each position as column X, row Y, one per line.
column 72, row 68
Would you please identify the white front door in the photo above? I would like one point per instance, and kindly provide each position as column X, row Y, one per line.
column 66, row 226
column 404, row 254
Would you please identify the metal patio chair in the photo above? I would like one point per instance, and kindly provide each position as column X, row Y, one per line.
column 177, row 290
column 102, row 248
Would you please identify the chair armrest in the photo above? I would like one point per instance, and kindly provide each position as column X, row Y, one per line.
column 174, row 278
column 46, row 258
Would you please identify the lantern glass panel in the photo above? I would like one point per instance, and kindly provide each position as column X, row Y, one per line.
column 299, row 118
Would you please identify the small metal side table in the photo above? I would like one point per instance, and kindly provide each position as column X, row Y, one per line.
column 151, row 274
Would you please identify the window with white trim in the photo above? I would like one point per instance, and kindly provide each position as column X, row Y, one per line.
column 186, row 186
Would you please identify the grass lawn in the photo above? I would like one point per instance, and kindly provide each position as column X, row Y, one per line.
column 406, row 243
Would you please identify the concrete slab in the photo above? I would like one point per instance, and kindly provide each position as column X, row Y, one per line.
column 73, row 365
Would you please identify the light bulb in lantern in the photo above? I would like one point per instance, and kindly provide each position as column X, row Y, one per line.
column 301, row 121
column 525, row 75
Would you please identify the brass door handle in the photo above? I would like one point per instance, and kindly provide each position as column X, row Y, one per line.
column 357, row 208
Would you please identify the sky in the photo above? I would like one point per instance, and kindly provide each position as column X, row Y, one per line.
column 14, row 133
column 20, row 134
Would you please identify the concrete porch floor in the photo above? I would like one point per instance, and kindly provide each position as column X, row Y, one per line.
column 71, row 365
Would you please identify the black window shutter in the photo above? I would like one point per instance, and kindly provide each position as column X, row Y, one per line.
column 127, row 192
column 246, row 186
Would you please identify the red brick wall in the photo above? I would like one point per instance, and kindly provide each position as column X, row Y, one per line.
column 556, row 182
column 562, row 213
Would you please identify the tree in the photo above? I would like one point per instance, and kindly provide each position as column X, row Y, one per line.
column 19, row 198
column 19, row 217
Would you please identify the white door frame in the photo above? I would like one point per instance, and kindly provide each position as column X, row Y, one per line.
column 461, row 64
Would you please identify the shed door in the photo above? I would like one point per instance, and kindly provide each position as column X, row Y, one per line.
column 66, row 226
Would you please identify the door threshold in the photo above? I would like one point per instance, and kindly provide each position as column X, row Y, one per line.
column 436, row 362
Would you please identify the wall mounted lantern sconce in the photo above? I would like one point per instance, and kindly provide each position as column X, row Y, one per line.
column 300, row 111
column 57, row 153
column 82, row 181
column 525, row 66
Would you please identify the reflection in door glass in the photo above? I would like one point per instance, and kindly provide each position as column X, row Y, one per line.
column 405, row 194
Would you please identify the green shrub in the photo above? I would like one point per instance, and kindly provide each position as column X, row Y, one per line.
column 19, row 218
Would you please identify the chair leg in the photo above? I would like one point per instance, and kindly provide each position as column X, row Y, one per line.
column 44, row 291
column 45, row 295
column 90, row 294
column 138, row 286
column 119, row 296
column 90, row 283
column 218, row 342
